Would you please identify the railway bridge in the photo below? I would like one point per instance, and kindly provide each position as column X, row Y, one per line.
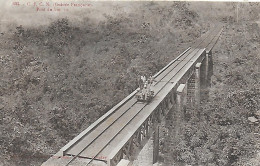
column 117, row 137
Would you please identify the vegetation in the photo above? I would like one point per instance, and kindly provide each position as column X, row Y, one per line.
column 59, row 78
column 221, row 133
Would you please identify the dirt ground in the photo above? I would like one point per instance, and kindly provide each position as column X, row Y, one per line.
column 58, row 78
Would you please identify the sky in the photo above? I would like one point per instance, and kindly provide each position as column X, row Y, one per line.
column 26, row 13
column 37, row 12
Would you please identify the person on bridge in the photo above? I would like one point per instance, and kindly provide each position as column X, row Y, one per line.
column 145, row 90
column 143, row 78
column 150, row 80
column 142, row 82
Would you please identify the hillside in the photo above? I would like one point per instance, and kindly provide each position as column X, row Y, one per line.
column 58, row 78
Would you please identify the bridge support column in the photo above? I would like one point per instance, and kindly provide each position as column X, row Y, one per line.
column 180, row 97
column 156, row 143
column 208, row 68
column 203, row 78
column 208, row 73
column 197, row 84
column 180, row 101
column 191, row 91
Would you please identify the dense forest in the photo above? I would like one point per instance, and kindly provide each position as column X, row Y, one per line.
column 57, row 79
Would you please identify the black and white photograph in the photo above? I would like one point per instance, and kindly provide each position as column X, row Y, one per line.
column 129, row 83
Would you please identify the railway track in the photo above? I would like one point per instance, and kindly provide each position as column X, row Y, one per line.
column 102, row 136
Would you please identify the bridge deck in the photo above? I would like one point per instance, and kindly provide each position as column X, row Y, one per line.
column 99, row 139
